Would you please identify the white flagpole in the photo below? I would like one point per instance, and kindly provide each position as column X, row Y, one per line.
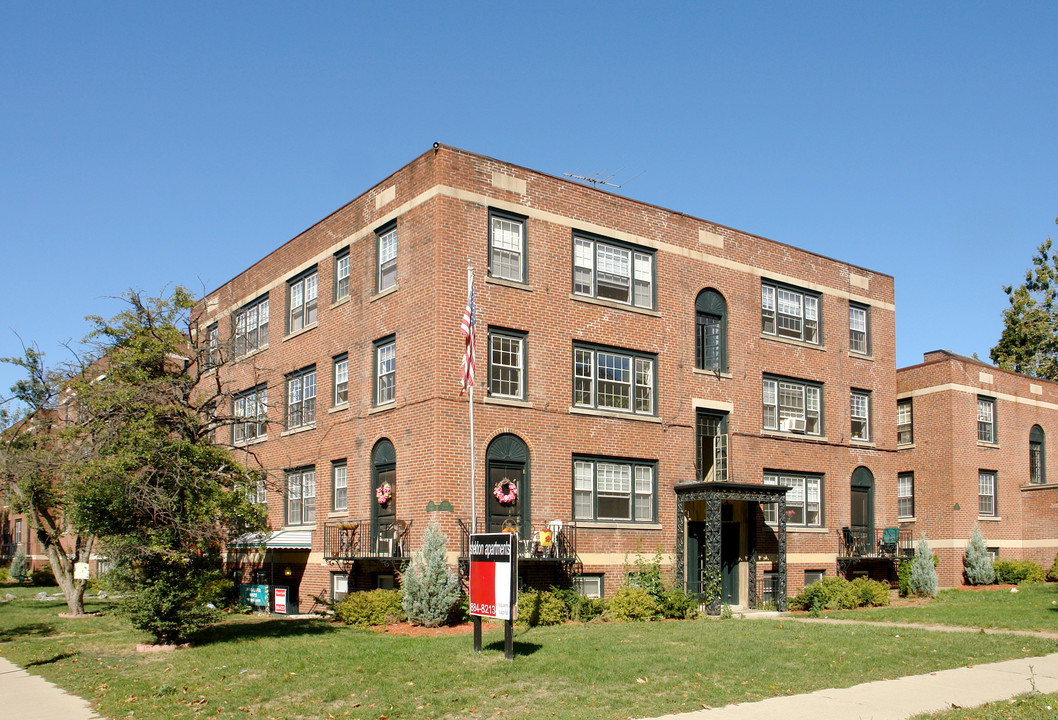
column 473, row 484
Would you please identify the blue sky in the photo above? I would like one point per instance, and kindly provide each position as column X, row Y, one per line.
column 146, row 144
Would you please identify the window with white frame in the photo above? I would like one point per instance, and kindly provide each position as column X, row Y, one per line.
column 860, row 412
column 986, row 494
column 789, row 312
column 618, row 490
column 507, row 246
column 18, row 532
column 250, row 411
column 986, row 419
column 609, row 270
column 301, row 294
column 260, row 491
column 385, row 370
column 792, row 406
column 301, row 496
column 859, row 329
column 905, row 495
column 339, row 586
column 904, row 422
column 386, row 244
column 804, row 501
column 507, row 364
column 341, row 379
column 301, row 398
column 212, row 346
column 614, row 380
column 339, row 485
column 251, row 327
column 341, row 275
column 590, row 586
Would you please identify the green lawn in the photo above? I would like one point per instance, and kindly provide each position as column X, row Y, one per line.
column 1033, row 607
column 306, row 668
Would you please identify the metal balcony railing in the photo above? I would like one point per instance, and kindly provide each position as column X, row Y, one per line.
column 354, row 540
column 862, row 544
column 560, row 547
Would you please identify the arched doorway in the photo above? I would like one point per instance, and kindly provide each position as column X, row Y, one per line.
column 383, row 495
column 862, row 500
column 507, row 489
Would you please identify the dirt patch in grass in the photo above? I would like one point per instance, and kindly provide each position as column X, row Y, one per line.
column 405, row 628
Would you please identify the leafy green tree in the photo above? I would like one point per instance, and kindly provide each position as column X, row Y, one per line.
column 40, row 453
column 430, row 587
column 157, row 492
column 1029, row 341
column 977, row 563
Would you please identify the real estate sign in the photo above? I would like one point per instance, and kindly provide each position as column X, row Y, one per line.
column 494, row 575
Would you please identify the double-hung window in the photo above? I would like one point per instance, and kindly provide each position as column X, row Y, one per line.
column 793, row 406
column 507, row 364
column 804, row 501
column 905, row 495
column 616, row 380
column 859, row 329
column 249, row 410
column 986, row 493
column 385, row 370
column 609, row 270
column 251, row 327
column 301, row 496
column 507, row 246
column 260, row 491
column 341, row 275
column 301, row 398
column 386, row 244
column 904, row 422
column 986, row 419
column 339, row 487
column 860, row 412
column 619, row 490
column 212, row 346
column 301, row 293
column 1037, row 456
column 789, row 312
column 341, row 379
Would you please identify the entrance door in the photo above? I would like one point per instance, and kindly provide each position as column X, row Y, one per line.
column 729, row 551
column 695, row 556
column 862, row 516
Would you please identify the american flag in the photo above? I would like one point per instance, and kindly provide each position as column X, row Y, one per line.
column 466, row 370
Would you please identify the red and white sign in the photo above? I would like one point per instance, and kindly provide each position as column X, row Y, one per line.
column 281, row 600
column 494, row 575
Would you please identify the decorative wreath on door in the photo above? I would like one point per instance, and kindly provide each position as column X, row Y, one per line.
column 383, row 493
column 506, row 491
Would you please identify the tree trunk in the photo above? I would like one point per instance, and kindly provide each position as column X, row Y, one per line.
column 63, row 569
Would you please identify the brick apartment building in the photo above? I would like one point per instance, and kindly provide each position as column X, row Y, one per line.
column 972, row 449
column 646, row 381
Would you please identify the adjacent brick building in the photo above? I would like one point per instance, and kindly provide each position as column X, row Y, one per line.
column 972, row 449
column 647, row 381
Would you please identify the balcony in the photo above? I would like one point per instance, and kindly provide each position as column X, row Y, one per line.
column 353, row 540
column 861, row 545
column 561, row 547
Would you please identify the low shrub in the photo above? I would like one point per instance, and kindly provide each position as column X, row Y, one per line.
column 903, row 577
column 376, row 607
column 588, row 609
column 4, row 575
column 870, row 593
column 42, row 576
column 830, row 593
column 677, row 604
column 542, row 607
column 1018, row 572
column 632, row 604
column 1052, row 574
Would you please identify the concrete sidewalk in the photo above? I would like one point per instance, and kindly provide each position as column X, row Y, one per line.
column 29, row 697
column 903, row 697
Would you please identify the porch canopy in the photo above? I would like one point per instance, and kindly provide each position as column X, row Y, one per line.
column 279, row 540
column 713, row 494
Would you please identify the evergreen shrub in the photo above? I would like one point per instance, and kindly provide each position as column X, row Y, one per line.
column 42, row 576
column 1052, row 574
column 903, row 577
column 870, row 593
column 430, row 587
column 677, row 604
column 367, row 609
column 18, row 565
column 830, row 593
column 977, row 563
column 923, row 580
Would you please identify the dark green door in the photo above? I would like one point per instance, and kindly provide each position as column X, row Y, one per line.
column 729, row 546
column 695, row 556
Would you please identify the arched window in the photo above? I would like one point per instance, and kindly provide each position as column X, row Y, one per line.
column 507, row 489
column 710, row 331
column 1037, row 458
column 383, row 489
